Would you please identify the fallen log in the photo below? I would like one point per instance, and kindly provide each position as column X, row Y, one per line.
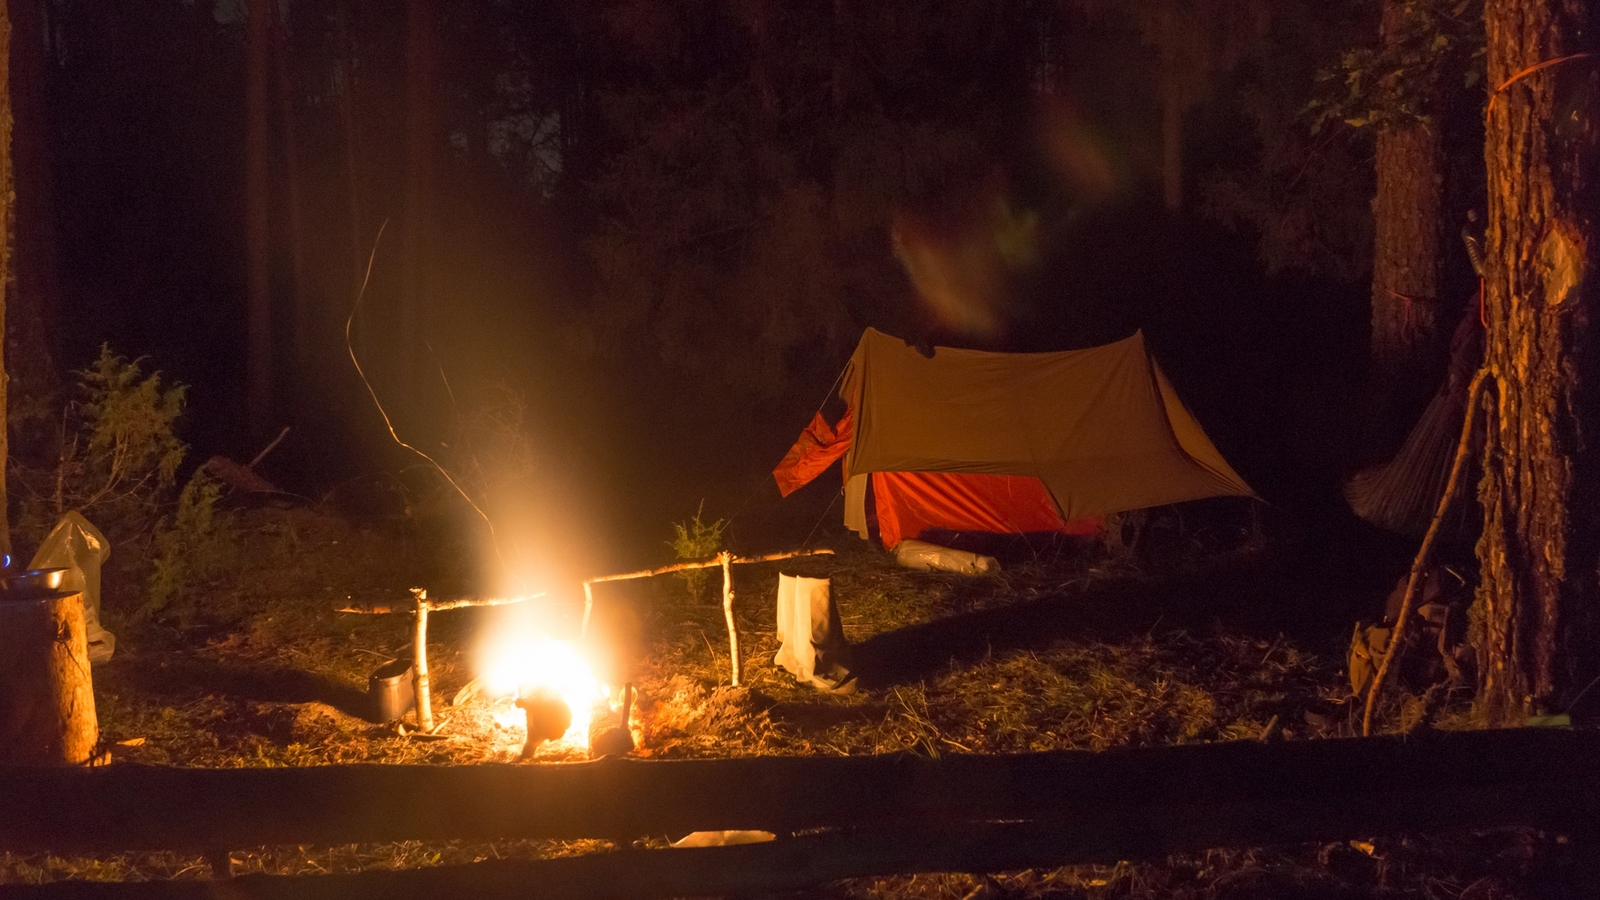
column 752, row 869
column 1241, row 794
column 792, row 864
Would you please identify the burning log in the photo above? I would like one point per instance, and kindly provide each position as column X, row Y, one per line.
column 724, row 561
column 548, row 717
column 609, row 734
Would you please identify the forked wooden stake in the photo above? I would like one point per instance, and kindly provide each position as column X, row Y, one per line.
column 419, row 664
column 736, row 666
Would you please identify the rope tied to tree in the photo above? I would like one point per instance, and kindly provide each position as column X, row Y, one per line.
column 1529, row 71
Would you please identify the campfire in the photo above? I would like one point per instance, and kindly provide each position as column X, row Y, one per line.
column 548, row 687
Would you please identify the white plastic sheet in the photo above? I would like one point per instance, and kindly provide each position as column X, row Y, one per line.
column 79, row 547
column 934, row 558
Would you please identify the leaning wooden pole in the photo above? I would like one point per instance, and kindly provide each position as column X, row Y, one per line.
column 1420, row 563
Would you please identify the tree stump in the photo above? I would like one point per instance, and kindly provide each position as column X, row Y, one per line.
column 46, row 697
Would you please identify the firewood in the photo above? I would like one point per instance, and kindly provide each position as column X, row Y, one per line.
column 47, row 712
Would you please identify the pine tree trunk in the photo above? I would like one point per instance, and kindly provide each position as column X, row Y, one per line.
column 1172, row 143
column 35, row 277
column 416, row 225
column 1406, row 215
column 1541, row 489
column 7, row 217
column 258, row 247
column 348, row 58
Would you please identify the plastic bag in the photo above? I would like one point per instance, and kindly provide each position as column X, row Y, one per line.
column 79, row 547
column 927, row 557
column 724, row 838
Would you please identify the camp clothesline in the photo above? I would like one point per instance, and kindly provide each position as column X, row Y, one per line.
column 726, row 561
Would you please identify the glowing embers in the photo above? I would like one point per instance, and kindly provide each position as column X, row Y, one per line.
column 535, row 677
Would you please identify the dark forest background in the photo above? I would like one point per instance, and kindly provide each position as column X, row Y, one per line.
column 627, row 246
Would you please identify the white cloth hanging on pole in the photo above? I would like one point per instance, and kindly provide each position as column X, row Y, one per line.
column 811, row 638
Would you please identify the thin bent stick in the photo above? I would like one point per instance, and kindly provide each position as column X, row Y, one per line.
column 1421, row 561
column 350, row 347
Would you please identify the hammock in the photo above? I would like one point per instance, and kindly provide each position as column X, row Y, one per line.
column 1402, row 494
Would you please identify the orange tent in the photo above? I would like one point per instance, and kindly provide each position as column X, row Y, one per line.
column 1008, row 442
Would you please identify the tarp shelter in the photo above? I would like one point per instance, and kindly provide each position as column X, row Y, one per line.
column 969, row 440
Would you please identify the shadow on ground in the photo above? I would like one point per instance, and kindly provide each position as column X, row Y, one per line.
column 1245, row 595
column 184, row 677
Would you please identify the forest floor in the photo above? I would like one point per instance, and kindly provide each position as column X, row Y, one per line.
column 1072, row 647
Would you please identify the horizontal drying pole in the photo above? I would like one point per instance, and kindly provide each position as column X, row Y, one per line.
column 420, row 685
column 723, row 560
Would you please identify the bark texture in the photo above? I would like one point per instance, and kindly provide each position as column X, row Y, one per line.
column 416, row 224
column 47, row 712
column 1405, row 263
column 34, row 268
column 7, row 216
column 1099, row 806
column 1540, row 491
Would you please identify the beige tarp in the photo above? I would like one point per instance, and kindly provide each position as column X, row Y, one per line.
column 1102, row 428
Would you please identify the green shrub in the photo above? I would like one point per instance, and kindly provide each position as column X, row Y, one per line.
column 114, row 457
column 697, row 539
column 191, row 549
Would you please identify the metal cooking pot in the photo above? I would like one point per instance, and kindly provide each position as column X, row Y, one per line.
column 32, row 583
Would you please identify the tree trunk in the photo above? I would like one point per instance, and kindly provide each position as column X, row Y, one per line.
column 46, row 699
column 1541, row 487
column 258, row 247
column 348, row 57
column 7, row 216
column 415, row 227
column 304, row 352
column 839, row 61
column 34, row 264
column 1405, row 266
column 1172, row 104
